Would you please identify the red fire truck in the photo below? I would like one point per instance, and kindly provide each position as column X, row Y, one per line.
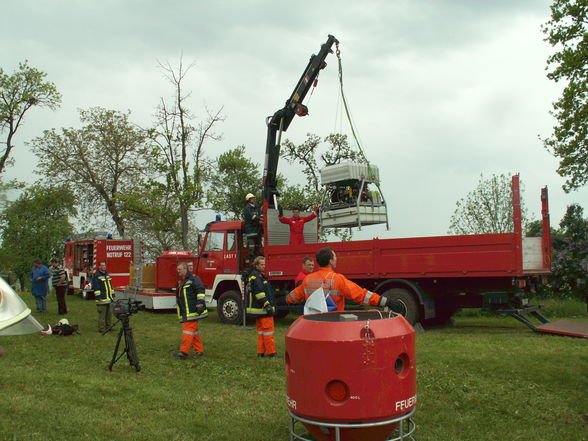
column 431, row 276
column 82, row 257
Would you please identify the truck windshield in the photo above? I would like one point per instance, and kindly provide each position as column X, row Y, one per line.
column 214, row 241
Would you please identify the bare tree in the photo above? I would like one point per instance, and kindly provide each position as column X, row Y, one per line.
column 181, row 145
column 20, row 92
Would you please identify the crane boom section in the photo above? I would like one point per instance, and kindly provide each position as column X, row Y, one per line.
column 281, row 119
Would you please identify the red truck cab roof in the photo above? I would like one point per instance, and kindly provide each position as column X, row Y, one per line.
column 224, row 226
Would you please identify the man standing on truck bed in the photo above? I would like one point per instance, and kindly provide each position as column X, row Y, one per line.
column 296, row 224
column 191, row 307
column 337, row 286
column 252, row 217
column 104, row 295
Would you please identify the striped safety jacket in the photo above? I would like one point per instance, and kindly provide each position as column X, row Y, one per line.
column 102, row 287
column 190, row 293
column 258, row 294
column 336, row 285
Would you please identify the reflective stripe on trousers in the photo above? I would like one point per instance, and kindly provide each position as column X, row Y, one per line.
column 265, row 335
column 191, row 337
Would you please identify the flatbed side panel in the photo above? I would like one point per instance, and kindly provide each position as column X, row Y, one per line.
column 491, row 255
column 457, row 256
column 565, row 327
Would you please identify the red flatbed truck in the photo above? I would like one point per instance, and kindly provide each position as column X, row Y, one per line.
column 432, row 276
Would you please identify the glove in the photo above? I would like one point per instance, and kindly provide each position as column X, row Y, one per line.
column 280, row 210
column 269, row 309
column 200, row 308
column 394, row 305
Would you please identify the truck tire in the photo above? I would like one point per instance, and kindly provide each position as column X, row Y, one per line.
column 407, row 299
column 229, row 308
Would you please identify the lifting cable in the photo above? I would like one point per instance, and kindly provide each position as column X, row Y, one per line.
column 362, row 154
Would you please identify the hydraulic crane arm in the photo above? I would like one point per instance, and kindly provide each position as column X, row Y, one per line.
column 280, row 121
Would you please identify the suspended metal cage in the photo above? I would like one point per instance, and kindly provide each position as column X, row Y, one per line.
column 353, row 196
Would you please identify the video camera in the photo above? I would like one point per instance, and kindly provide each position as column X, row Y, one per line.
column 125, row 307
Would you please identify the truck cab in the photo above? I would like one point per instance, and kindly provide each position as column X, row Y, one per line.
column 224, row 258
column 219, row 264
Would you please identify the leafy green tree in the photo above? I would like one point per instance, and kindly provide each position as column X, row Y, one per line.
column 36, row 225
column 103, row 160
column 180, row 147
column 569, row 277
column 567, row 30
column 296, row 196
column 486, row 209
column 231, row 177
column 19, row 92
column 152, row 216
column 314, row 154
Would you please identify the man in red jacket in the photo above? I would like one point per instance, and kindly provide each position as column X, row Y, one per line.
column 297, row 224
column 307, row 268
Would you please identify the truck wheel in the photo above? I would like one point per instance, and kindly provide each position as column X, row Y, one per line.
column 229, row 308
column 407, row 299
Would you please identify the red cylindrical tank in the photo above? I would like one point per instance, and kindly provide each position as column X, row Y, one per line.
column 166, row 275
column 351, row 367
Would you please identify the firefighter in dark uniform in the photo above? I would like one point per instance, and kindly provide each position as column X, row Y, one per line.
column 252, row 218
column 191, row 308
column 259, row 303
column 104, row 295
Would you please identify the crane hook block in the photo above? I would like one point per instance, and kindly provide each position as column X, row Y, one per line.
column 301, row 110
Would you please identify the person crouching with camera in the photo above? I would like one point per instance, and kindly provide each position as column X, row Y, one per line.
column 191, row 308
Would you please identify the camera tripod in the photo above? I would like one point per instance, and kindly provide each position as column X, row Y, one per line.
column 130, row 348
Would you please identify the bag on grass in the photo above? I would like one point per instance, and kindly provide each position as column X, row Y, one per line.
column 62, row 327
column 65, row 329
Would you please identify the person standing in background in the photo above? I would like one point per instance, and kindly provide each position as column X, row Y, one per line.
column 39, row 278
column 59, row 283
column 104, row 295
column 307, row 268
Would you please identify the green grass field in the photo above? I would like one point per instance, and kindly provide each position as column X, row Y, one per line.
column 485, row 378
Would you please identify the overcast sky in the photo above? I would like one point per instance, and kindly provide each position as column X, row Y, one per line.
column 440, row 91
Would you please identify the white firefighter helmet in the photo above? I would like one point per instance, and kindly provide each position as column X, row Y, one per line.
column 63, row 321
column 249, row 196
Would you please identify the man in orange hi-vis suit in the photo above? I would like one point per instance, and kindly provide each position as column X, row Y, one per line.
column 337, row 286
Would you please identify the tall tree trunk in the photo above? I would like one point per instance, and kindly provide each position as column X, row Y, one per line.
column 185, row 225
